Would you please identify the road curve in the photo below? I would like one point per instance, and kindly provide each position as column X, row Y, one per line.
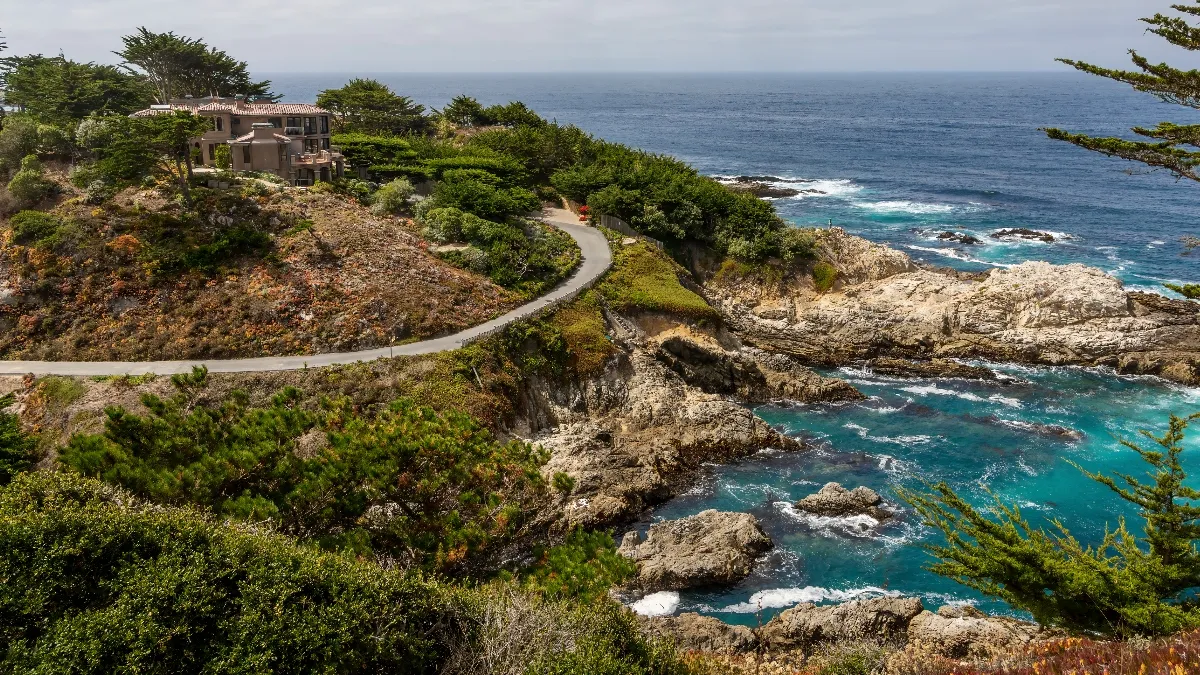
column 597, row 258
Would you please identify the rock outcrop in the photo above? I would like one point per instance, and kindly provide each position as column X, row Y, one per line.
column 807, row 624
column 1023, row 233
column 933, row 368
column 707, row 549
column 636, row 435
column 959, row 237
column 750, row 375
column 965, row 632
column 1035, row 312
column 694, row 632
column 835, row 500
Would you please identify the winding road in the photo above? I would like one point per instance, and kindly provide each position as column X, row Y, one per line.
column 597, row 258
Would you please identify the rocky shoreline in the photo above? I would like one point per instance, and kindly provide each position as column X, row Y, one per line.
column 673, row 398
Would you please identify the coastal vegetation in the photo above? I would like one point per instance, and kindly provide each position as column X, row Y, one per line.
column 1168, row 143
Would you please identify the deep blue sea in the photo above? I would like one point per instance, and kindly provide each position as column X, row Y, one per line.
column 899, row 158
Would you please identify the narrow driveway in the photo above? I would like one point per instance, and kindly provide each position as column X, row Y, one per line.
column 596, row 260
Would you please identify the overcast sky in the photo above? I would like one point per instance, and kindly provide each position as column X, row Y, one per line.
column 605, row 35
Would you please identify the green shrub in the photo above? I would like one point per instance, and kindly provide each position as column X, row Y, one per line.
column 1190, row 291
column 392, row 198
column 31, row 227
column 236, row 241
column 222, row 157
column 583, row 567
column 96, row 582
column 431, row 490
column 29, row 185
column 18, row 451
column 824, row 275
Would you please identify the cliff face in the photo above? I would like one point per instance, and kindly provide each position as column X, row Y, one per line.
column 668, row 401
column 883, row 305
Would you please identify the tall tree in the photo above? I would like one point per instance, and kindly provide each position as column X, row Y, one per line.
column 155, row 145
column 1168, row 148
column 180, row 66
column 465, row 111
column 371, row 107
column 59, row 91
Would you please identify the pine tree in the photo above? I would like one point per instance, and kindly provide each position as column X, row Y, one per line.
column 1123, row 586
column 1171, row 146
column 1168, row 149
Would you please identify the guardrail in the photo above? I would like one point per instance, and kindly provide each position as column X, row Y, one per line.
column 618, row 225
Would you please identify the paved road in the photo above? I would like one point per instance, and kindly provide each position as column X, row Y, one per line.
column 596, row 260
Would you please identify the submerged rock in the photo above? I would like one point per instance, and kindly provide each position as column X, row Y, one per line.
column 965, row 632
column 960, row 237
column 694, row 632
column 835, row 500
column 1023, row 233
column 710, row 548
column 807, row 624
column 932, row 368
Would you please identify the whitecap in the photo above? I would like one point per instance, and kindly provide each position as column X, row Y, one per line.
column 926, row 390
column 662, row 603
column 865, row 434
column 856, row 526
column 905, row 206
column 777, row 598
column 957, row 255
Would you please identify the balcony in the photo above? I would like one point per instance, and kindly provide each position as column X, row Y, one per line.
column 313, row 158
column 293, row 131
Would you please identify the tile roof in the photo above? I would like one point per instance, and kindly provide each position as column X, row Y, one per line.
column 238, row 108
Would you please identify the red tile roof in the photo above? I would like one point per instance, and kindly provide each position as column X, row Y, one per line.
column 264, row 109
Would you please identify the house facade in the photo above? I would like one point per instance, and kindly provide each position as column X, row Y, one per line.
column 290, row 140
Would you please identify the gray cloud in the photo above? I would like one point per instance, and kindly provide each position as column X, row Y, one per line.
column 614, row 35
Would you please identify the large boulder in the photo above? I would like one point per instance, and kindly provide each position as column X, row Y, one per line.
column 804, row 625
column 706, row 549
column 694, row 632
column 835, row 500
column 965, row 632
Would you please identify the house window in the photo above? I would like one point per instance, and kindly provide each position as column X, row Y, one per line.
column 212, row 150
column 276, row 122
column 310, row 145
column 246, row 156
column 310, row 125
column 293, row 121
column 324, row 124
column 324, row 143
column 236, row 121
column 220, row 124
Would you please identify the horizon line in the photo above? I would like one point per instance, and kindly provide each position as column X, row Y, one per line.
column 1045, row 71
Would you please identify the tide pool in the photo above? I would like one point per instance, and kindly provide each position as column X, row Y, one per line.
column 1013, row 438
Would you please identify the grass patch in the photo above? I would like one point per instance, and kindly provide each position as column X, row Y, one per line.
column 582, row 327
column 735, row 271
column 645, row 279
column 56, row 393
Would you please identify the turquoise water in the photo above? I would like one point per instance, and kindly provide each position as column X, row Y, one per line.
column 977, row 436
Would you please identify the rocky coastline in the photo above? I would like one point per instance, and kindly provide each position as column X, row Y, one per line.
column 673, row 397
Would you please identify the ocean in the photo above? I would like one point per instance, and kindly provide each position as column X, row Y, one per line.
column 900, row 158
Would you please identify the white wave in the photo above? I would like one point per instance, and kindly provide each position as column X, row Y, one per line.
column 905, row 206
column 1158, row 243
column 662, row 603
column 777, row 598
column 865, row 434
column 856, row 526
column 925, row 390
column 810, row 187
column 957, row 255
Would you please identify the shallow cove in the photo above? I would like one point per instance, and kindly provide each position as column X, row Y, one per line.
column 1012, row 437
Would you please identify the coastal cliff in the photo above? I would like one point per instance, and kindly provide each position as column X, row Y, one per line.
column 884, row 305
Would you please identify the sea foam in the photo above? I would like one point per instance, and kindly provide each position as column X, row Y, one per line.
column 662, row 603
column 776, row 598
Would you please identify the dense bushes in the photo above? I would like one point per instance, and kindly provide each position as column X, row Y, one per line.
column 483, row 194
column 644, row 279
column 411, row 485
column 392, row 198
column 95, row 582
column 524, row 256
column 29, row 184
column 30, row 227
